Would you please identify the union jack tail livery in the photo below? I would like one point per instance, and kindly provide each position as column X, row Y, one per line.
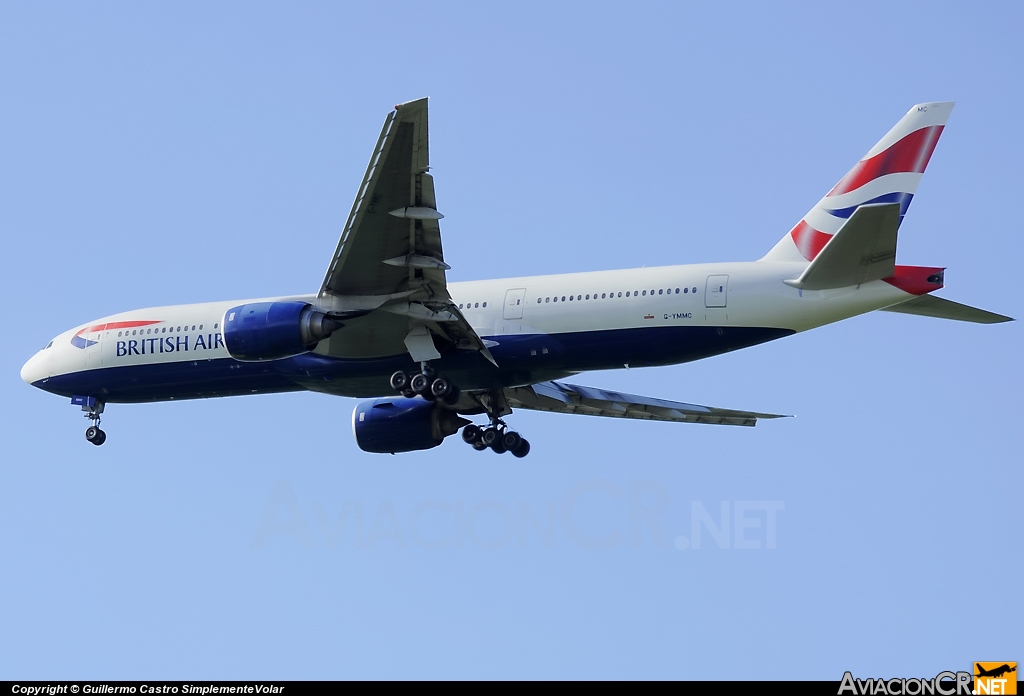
column 888, row 173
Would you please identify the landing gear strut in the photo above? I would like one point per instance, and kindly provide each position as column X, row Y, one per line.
column 93, row 407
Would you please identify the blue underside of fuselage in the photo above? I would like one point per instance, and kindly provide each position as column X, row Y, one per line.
column 522, row 359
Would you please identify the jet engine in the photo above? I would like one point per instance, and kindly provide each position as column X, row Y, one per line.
column 403, row 425
column 274, row 330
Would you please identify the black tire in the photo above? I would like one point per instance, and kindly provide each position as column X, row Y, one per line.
column 498, row 448
column 408, row 393
column 92, row 433
column 453, row 398
column 511, row 440
column 471, row 434
column 101, row 439
column 420, row 384
column 490, row 436
column 440, row 388
column 399, row 381
column 522, row 450
column 479, row 446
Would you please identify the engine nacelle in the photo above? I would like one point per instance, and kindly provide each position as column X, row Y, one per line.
column 274, row 330
column 402, row 425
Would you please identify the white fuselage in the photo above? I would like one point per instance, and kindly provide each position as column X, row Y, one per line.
column 540, row 325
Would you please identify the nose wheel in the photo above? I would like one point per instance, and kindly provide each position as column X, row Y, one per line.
column 94, row 435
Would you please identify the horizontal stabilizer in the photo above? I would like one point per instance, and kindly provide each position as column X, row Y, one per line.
column 862, row 251
column 931, row 306
column 571, row 398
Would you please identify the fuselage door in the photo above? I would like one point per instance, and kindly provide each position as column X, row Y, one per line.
column 514, row 300
column 716, row 292
column 94, row 351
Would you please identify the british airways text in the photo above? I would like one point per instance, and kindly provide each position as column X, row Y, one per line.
column 168, row 344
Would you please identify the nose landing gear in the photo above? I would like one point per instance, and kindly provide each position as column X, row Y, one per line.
column 93, row 407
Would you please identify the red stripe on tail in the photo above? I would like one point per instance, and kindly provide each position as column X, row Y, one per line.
column 909, row 154
column 808, row 240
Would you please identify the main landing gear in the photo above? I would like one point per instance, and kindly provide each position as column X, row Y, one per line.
column 426, row 384
column 497, row 437
column 432, row 387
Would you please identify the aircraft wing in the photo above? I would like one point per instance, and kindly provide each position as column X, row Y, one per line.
column 389, row 259
column 570, row 398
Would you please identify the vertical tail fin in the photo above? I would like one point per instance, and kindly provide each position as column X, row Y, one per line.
column 888, row 173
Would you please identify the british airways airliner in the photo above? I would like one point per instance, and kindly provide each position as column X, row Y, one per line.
column 388, row 326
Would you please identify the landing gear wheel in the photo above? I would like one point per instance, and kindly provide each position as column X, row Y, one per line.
column 453, row 396
column 441, row 388
column 522, row 450
column 511, row 440
column 471, row 434
column 94, row 435
column 399, row 381
column 420, row 383
column 490, row 437
column 479, row 446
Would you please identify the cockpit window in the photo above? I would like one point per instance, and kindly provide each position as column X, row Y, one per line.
column 48, row 345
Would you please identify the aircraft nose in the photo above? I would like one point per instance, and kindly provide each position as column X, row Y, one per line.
column 35, row 369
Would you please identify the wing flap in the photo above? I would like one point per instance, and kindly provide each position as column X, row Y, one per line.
column 557, row 397
column 931, row 306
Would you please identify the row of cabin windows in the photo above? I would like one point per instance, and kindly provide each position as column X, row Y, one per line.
column 609, row 295
column 471, row 305
column 143, row 332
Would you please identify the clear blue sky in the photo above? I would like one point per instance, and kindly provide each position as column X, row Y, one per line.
column 157, row 154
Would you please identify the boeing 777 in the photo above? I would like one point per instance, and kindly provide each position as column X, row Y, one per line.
column 387, row 325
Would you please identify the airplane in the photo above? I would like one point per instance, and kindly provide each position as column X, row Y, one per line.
column 994, row 672
column 386, row 325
